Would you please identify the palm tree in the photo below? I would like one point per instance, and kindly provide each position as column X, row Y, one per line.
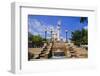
column 83, row 19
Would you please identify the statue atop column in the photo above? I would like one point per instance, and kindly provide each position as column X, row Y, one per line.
column 55, row 32
column 58, row 30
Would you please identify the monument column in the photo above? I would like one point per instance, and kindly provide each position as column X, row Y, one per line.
column 58, row 30
column 58, row 33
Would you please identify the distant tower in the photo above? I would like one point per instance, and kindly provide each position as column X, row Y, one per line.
column 58, row 30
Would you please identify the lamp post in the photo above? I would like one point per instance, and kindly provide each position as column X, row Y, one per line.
column 51, row 30
column 66, row 34
column 45, row 34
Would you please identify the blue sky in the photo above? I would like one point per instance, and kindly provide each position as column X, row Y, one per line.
column 38, row 23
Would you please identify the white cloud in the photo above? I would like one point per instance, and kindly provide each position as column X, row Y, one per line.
column 36, row 27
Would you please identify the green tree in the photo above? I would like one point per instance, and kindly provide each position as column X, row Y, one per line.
column 76, row 37
column 84, row 36
column 37, row 41
column 80, row 37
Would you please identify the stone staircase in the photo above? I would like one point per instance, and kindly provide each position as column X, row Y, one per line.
column 60, row 48
column 77, row 52
column 49, row 50
column 72, row 52
column 45, row 52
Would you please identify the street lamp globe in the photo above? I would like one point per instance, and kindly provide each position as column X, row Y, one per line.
column 46, row 29
column 66, row 30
